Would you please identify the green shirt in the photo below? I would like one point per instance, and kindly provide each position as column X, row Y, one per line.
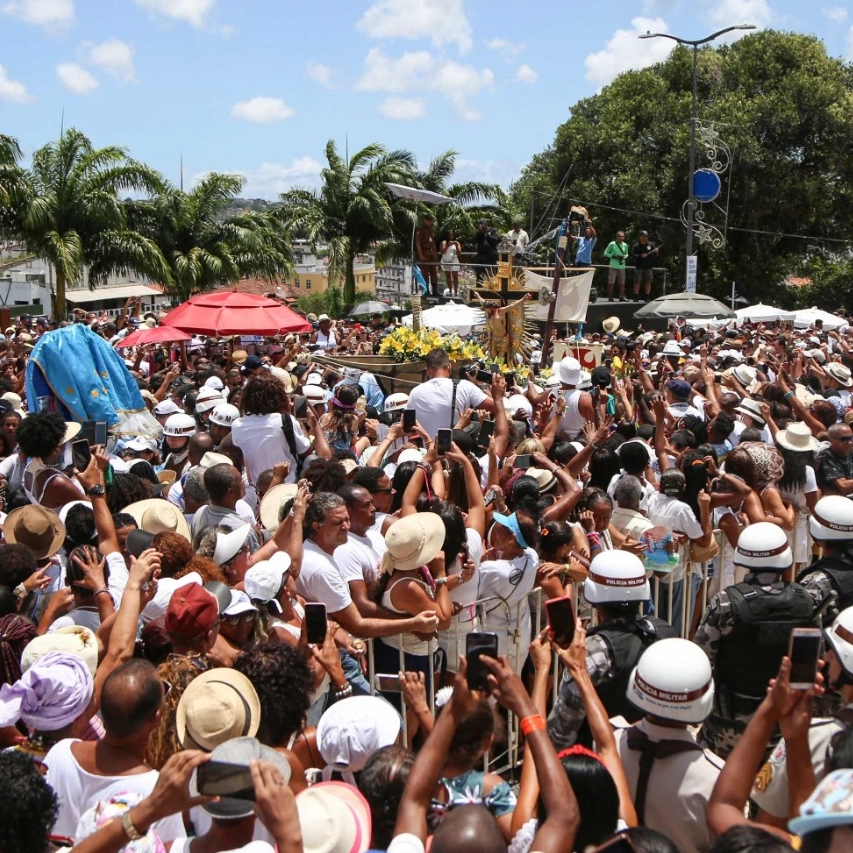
column 617, row 252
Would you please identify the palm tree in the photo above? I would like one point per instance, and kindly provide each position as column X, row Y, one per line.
column 74, row 218
column 204, row 248
column 353, row 208
column 13, row 186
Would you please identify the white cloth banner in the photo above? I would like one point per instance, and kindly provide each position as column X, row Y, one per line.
column 572, row 297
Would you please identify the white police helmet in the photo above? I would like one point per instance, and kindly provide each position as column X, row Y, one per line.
column 673, row 680
column 832, row 519
column 179, row 426
column 840, row 638
column 396, row 402
column 207, row 399
column 224, row 415
column 616, row 576
column 763, row 547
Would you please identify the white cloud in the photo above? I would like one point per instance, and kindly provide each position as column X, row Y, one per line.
column 507, row 49
column 403, row 109
column 836, row 14
column 419, row 71
column 262, row 110
column 115, row 57
column 443, row 22
column 320, row 73
column 726, row 13
column 502, row 172
column 270, row 179
column 193, row 12
column 75, row 78
column 42, row 13
column 626, row 52
column 13, row 91
column 525, row 74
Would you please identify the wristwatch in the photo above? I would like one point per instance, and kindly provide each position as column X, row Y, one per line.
column 127, row 824
column 20, row 592
column 96, row 491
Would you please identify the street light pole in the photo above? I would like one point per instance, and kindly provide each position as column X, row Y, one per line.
column 691, row 197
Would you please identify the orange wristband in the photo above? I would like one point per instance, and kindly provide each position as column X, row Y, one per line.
column 532, row 724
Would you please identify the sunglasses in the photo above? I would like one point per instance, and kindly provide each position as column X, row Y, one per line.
column 249, row 616
column 384, row 491
column 846, row 439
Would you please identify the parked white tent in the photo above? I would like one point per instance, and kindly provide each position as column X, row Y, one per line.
column 805, row 317
column 761, row 314
column 451, row 318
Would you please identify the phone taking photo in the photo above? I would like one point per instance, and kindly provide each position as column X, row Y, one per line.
column 410, row 416
column 484, row 376
column 804, row 651
column 81, row 454
column 524, row 461
column 300, row 408
column 561, row 619
column 444, row 441
column 477, row 644
column 485, row 433
column 387, row 683
column 315, row 623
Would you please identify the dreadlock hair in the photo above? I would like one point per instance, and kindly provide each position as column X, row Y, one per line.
column 15, row 632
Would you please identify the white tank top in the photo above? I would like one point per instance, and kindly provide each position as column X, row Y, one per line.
column 408, row 642
column 573, row 421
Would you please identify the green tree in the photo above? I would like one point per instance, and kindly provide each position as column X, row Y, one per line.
column 330, row 302
column 202, row 246
column 12, row 186
column 352, row 210
column 783, row 106
column 73, row 217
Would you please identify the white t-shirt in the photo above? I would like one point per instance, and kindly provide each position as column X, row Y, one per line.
column 320, row 580
column 432, row 399
column 78, row 790
column 359, row 558
column 262, row 441
column 326, row 341
column 675, row 515
column 85, row 617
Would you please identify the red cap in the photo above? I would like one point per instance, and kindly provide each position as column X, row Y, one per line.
column 192, row 611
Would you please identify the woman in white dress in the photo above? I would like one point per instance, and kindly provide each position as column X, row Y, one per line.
column 450, row 251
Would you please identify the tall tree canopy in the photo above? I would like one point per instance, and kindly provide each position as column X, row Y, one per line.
column 784, row 107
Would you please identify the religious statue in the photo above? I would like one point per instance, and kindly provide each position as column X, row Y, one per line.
column 505, row 325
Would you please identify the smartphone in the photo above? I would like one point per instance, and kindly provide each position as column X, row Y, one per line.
column 315, row 623
column 486, row 431
column 387, row 683
column 484, row 376
column 300, row 408
column 444, row 441
column 476, row 645
column 804, row 652
column 490, row 497
column 80, row 454
column 95, row 432
column 511, row 379
column 620, row 843
column 561, row 618
column 218, row 778
column 409, row 418
column 524, row 461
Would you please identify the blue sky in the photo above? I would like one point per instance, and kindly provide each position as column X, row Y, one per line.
column 258, row 86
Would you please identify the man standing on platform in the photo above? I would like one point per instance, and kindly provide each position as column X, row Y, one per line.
column 617, row 252
column 644, row 254
column 585, row 245
column 427, row 253
column 519, row 239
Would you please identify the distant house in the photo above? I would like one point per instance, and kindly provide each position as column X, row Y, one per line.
column 797, row 281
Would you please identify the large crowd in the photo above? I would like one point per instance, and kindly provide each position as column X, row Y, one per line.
column 587, row 609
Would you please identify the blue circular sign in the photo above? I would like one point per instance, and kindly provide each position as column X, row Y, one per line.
column 706, row 185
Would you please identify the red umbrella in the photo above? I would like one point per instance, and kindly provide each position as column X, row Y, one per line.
column 157, row 335
column 234, row 313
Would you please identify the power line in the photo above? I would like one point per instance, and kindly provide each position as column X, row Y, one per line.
column 663, row 218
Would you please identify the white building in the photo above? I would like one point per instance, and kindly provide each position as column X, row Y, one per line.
column 394, row 282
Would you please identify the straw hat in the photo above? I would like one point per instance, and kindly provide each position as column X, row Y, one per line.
column 239, row 356
column 610, row 325
column 840, row 374
column 40, row 529
column 751, row 408
column 273, row 501
column 158, row 516
column 71, row 640
column 797, row 436
column 413, row 541
column 167, row 477
column 217, row 705
column 334, row 818
column 544, row 478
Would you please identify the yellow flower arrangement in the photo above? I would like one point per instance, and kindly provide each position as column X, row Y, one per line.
column 403, row 344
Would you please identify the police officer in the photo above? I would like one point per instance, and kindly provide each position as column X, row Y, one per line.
column 771, row 784
column 831, row 526
column 178, row 430
column 617, row 587
column 745, row 632
column 669, row 775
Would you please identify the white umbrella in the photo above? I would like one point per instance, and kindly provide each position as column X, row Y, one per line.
column 446, row 319
column 806, row 317
column 759, row 314
column 414, row 194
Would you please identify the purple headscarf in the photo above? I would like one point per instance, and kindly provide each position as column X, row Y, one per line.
column 50, row 695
